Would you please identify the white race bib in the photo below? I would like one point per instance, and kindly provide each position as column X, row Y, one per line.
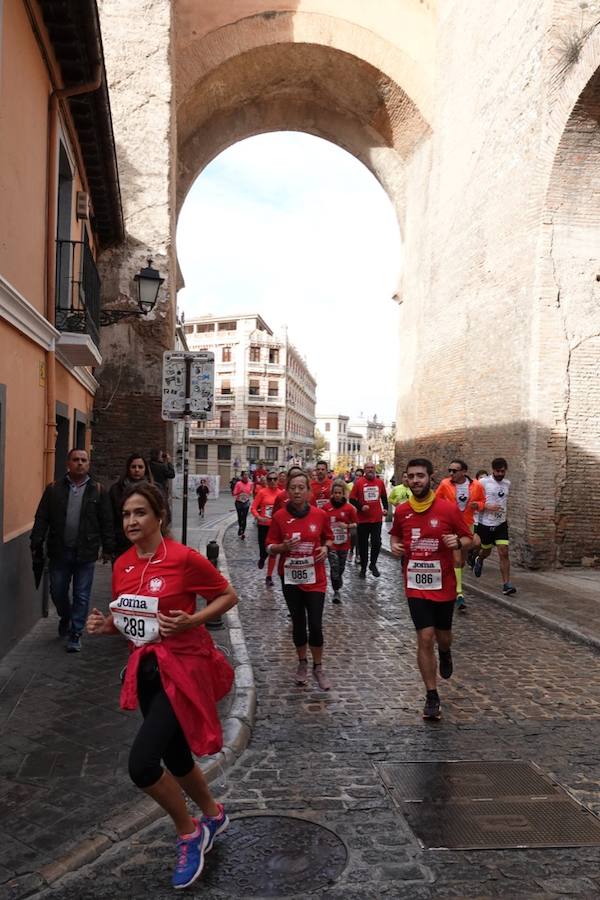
column 269, row 512
column 371, row 493
column 424, row 575
column 340, row 532
column 136, row 617
column 299, row 570
column 322, row 501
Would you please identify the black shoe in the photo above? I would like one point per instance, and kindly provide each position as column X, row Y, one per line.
column 268, row 581
column 375, row 571
column 261, row 564
column 336, row 597
column 445, row 663
column 362, row 573
column 432, row 709
column 64, row 626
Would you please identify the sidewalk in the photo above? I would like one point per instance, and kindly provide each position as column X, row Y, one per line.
column 65, row 795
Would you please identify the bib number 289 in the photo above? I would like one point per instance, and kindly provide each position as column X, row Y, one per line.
column 132, row 627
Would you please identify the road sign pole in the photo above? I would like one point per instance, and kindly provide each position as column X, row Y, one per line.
column 186, row 448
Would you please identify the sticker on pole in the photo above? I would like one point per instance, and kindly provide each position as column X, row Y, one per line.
column 200, row 382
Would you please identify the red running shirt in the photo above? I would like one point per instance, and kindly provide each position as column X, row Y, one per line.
column 340, row 518
column 311, row 531
column 427, row 563
column 194, row 674
column 369, row 493
column 320, row 492
column 262, row 508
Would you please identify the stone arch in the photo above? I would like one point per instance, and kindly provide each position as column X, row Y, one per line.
column 300, row 71
column 567, row 332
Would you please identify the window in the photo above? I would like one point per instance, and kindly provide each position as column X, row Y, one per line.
column 327, row 426
column 274, row 355
column 226, row 354
column 206, row 326
column 273, row 389
column 254, row 354
column 226, row 386
column 272, row 421
column 225, row 418
column 64, row 248
column 253, row 418
column 201, row 451
column 271, row 454
column 224, row 452
column 227, row 326
column 254, row 387
column 252, row 453
column 188, row 329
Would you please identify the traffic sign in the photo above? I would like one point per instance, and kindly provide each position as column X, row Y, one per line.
column 198, row 400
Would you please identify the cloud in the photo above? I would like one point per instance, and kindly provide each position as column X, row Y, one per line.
column 296, row 229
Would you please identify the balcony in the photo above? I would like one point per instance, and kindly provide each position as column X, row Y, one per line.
column 77, row 303
column 224, row 399
column 264, row 434
column 200, row 433
column 275, row 400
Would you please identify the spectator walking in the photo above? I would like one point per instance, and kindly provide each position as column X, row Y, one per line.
column 74, row 519
column 162, row 470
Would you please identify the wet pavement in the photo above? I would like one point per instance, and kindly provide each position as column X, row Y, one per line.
column 520, row 692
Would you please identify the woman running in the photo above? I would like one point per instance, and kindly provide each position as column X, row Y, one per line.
column 300, row 533
column 262, row 510
column 174, row 670
column 242, row 492
column 137, row 470
column 202, row 492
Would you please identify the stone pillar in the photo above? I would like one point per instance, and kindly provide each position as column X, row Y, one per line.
column 137, row 49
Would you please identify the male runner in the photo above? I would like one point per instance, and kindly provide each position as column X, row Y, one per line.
column 320, row 487
column 424, row 533
column 370, row 499
column 493, row 526
column 469, row 496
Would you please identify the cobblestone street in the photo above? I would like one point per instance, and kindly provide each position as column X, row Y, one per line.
column 518, row 692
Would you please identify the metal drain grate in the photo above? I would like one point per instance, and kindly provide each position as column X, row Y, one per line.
column 487, row 806
column 500, row 825
column 442, row 781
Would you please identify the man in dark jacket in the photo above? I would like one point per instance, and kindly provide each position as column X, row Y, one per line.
column 162, row 470
column 74, row 515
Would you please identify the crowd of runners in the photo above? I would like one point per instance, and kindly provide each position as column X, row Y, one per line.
column 304, row 523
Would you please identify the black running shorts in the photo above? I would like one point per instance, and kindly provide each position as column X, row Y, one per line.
column 493, row 534
column 431, row 613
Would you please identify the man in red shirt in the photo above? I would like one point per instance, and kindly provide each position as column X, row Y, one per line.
column 320, row 487
column 369, row 496
column 425, row 532
column 342, row 521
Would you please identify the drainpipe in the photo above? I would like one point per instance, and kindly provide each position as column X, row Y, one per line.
column 52, row 202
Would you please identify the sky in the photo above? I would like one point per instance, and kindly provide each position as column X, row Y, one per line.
column 294, row 228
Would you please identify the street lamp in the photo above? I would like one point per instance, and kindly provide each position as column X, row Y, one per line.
column 148, row 282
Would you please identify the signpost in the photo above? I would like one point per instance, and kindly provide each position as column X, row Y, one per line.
column 188, row 388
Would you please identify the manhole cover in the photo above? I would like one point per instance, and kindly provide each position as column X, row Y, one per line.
column 441, row 781
column 273, row 856
column 498, row 825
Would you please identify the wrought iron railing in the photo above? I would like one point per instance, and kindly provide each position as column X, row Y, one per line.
column 77, row 290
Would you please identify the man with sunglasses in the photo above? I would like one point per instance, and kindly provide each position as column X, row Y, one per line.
column 469, row 496
column 493, row 525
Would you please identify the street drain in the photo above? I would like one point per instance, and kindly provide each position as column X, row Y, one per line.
column 274, row 856
column 487, row 806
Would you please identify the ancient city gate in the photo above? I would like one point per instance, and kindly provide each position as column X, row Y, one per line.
column 478, row 138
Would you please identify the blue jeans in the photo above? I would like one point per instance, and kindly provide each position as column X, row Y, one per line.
column 61, row 573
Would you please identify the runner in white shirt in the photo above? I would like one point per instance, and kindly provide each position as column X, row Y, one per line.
column 493, row 525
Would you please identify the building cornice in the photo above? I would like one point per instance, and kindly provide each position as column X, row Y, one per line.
column 23, row 316
column 83, row 376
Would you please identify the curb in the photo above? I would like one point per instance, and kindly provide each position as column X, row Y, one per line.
column 534, row 615
column 237, row 730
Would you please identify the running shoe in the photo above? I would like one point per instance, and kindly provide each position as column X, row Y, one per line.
column 460, row 603
column 261, row 564
column 64, row 626
column 375, row 571
column 269, row 581
column 508, row 588
column 242, row 536
column 445, row 663
column 321, row 678
column 74, row 644
column 432, row 709
column 336, row 597
column 190, row 857
column 478, row 567
column 302, row 672
column 216, row 825
column 362, row 573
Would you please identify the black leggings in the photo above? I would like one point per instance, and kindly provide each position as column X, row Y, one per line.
column 305, row 605
column 160, row 735
column 263, row 531
column 366, row 530
column 242, row 514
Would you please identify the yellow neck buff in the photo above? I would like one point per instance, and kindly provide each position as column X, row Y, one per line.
column 423, row 505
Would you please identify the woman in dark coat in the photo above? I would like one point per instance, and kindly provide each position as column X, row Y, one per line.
column 137, row 471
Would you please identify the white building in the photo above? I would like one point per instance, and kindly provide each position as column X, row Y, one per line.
column 377, row 441
column 264, row 398
column 343, row 446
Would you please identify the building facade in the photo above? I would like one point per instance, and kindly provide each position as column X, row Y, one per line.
column 265, row 398
column 59, row 195
column 343, row 446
